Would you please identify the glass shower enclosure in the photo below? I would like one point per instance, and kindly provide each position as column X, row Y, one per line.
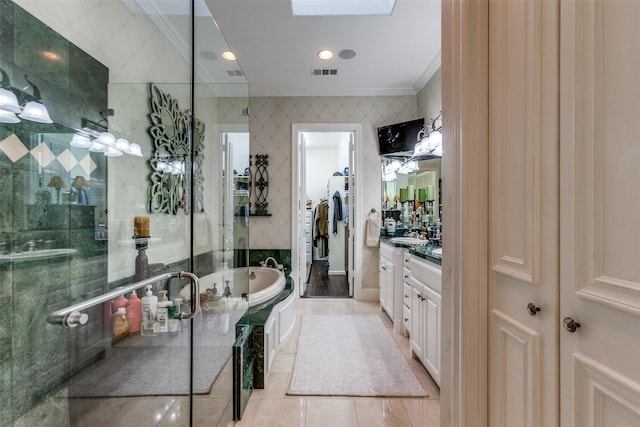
column 121, row 273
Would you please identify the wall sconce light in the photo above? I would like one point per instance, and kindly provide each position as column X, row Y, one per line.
column 33, row 110
column 429, row 143
column 103, row 141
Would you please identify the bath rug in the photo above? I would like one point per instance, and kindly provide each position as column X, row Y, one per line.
column 346, row 355
column 159, row 365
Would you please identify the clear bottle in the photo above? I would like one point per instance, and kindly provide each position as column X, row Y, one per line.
column 120, row 324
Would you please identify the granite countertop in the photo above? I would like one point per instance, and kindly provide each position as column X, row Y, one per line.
column 421, row 250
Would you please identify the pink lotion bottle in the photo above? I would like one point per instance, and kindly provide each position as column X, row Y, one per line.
column 134, row 313
column 121, row 302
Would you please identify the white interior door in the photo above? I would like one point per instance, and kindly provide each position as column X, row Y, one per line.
column 524, row 214
column 299, row 200
column 352, row 214
column 600, row 230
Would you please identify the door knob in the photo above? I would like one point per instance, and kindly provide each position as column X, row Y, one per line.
column 570, row 324
column 532, row 309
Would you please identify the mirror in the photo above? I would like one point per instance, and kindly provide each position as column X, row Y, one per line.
column 411, row 192
column 171, row 156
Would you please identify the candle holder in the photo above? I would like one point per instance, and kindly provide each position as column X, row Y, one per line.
column 430, row 212
column 142, row 262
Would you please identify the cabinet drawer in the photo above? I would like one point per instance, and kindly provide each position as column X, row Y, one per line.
column 426, row 273
column 406, row 318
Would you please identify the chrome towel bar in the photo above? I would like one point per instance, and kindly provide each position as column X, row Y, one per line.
column 72, row 316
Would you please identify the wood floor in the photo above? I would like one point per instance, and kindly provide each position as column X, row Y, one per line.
column 321, row 284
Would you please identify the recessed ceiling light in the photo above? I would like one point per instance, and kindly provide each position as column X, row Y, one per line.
column 325, row 54
column 228, row 55
column 347, row 53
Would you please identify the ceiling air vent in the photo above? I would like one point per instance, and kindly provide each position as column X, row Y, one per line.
column 324, row 72
column 235, row 73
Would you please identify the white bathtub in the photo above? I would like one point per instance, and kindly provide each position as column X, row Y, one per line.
column 267, row 284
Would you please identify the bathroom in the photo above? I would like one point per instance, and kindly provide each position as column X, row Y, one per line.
column 105, row 80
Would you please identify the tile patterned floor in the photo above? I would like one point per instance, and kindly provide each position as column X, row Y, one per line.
column 272, row 407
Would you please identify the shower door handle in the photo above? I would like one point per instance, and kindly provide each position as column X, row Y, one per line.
column 195, row 296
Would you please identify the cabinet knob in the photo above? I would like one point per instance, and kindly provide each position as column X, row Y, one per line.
column 406, row 276
column 532, row 309
column 406, row 320
column 570, row 324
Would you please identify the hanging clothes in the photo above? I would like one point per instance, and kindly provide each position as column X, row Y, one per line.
column 337, row 211
column 321, row 229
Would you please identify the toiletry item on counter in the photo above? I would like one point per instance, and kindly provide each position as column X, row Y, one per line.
column 149, row 304
column 120, row 302
column 178, row 305
column 120, row 324
column 163, row 316
column 134, row 313
column 390, row 226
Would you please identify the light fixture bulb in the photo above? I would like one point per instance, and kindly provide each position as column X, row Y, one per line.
column 9, row 101
column 435, row 138
column 96, row 147
column 325, row 54
column 135, row 150
column 35, row 112
column 80, row 141
column 113, row 152
column 122, row 144
column 8, row 117
column 228, row 55
column 107, row 139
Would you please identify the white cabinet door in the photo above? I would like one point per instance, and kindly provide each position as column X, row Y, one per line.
column 431, row 348
column 600, row 202
column 418, row 321
column 523, row 209
column 386, row 286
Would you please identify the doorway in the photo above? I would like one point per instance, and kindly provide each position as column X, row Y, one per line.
column 326, row 192
column 324, row 203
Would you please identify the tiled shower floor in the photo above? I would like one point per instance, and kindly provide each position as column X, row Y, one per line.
column 272, row 407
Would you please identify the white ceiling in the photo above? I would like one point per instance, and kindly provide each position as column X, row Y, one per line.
column 395, row 55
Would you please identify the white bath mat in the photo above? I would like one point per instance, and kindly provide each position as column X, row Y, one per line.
column 350, row 356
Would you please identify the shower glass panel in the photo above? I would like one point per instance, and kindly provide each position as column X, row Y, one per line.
column 77, row 222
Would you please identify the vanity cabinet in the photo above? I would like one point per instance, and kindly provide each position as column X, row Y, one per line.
column 425, row 333
column 391, row 284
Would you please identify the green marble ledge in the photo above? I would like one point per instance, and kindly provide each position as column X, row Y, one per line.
column 257, row 317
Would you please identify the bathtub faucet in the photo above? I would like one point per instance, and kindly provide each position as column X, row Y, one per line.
column 265, row 263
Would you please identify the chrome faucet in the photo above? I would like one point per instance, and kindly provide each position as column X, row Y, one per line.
column 265, row 263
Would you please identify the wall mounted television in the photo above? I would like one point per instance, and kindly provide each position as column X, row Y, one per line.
column 399, row 139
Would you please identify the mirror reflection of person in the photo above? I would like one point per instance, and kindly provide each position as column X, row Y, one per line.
column 80, row 190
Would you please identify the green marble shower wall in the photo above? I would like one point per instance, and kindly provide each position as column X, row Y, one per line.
column 35, row 357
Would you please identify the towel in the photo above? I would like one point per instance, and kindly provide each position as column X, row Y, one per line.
column 372, row 232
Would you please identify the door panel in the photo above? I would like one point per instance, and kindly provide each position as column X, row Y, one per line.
column 600, row 274
column 523, row 242
column 516, row 372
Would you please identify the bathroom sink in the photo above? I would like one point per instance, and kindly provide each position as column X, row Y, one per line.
column 31, row 255
column 437, row 252
column 409, row 241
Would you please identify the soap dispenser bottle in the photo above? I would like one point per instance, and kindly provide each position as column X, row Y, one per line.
column 120, row 324
column 163, row 312
column 149, row 304
column 134, row 313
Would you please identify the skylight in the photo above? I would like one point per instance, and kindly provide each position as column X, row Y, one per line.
column 341, row 7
